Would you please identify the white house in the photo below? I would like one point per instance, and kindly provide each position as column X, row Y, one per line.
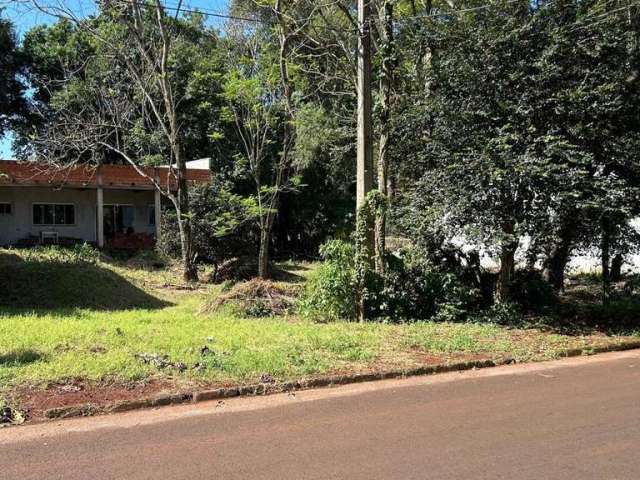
column 107, row 205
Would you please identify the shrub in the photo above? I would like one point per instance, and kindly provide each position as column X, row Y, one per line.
column 631, row 286
column 501, row 314
column 330, row 293
column 619, row 316
column 532, row 292
column 412, row 289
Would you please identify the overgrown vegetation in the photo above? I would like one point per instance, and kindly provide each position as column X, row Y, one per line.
column 411, row 288
column 182, row 341
column 507, row 140
column 60, row 278
column 512, row 128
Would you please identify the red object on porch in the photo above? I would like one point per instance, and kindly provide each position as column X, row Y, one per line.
column 132, row 241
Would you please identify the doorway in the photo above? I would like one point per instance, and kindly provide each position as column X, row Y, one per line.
column 118, row 219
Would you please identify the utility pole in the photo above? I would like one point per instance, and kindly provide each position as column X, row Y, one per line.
column 364, row 175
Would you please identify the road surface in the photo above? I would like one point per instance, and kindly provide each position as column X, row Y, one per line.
column 577, row 418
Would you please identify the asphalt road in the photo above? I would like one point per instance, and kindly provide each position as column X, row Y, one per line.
column 572, row 419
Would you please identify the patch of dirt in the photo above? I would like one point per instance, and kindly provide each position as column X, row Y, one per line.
column 431, row 359
column 35, row 401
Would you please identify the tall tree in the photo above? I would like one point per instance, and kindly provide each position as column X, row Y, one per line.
column 129, row 99
column 388, row 60
column 12, row 88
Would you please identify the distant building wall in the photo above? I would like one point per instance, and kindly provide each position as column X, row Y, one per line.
column 19, row 224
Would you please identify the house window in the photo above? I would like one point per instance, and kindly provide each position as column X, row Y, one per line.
column 54, row 214
column 152, row 215
column 5, row 209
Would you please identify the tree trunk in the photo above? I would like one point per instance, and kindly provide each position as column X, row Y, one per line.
column 386, row 88
column 265, row 240
column 533, row 253
column 263, row 255
column 555, row 264
column 364, row 155
column 616, row 267
column 507, row 263
column 605, row 246
column 189, row 268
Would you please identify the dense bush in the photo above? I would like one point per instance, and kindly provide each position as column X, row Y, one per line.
column 330, row 293
column 532, row 292
column 502, row 314
column 411, row 289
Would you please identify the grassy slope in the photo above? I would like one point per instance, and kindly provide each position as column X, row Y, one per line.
column 100, row 327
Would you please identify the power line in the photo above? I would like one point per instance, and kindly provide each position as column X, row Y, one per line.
column 600, row 18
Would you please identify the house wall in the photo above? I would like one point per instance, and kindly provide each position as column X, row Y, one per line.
column 20, row 225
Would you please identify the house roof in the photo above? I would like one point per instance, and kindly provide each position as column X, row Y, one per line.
column 89, row 176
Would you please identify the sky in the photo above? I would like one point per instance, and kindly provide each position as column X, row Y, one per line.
column 25, row 17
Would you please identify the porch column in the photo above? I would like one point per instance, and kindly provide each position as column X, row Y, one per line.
column 158, row 211
column 100, row 212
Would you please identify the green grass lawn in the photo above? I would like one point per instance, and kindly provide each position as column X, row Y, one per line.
column 112, row 316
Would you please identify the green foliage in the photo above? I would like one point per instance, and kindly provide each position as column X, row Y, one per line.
column 504, row 313
column 73, row 73
column 516, row 120
column 415, row 289
column 330, row 292
column 315, row 130
column 13, row 105
column 222, row 225
column 78, row 254
column 618, row 316
column 532, row 292
column 411, row 289
column 528, row 123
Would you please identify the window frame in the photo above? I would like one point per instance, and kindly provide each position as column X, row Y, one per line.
column 65, row 204
column 132, row 205
column 5, row 214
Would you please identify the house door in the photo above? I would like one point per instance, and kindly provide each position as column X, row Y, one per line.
column 6, row 222
column 118, row 219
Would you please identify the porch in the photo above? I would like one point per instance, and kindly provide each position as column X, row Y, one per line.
column 112, row 205
column 104, row 217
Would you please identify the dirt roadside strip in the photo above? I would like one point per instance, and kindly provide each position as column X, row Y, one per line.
column 159, row 400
